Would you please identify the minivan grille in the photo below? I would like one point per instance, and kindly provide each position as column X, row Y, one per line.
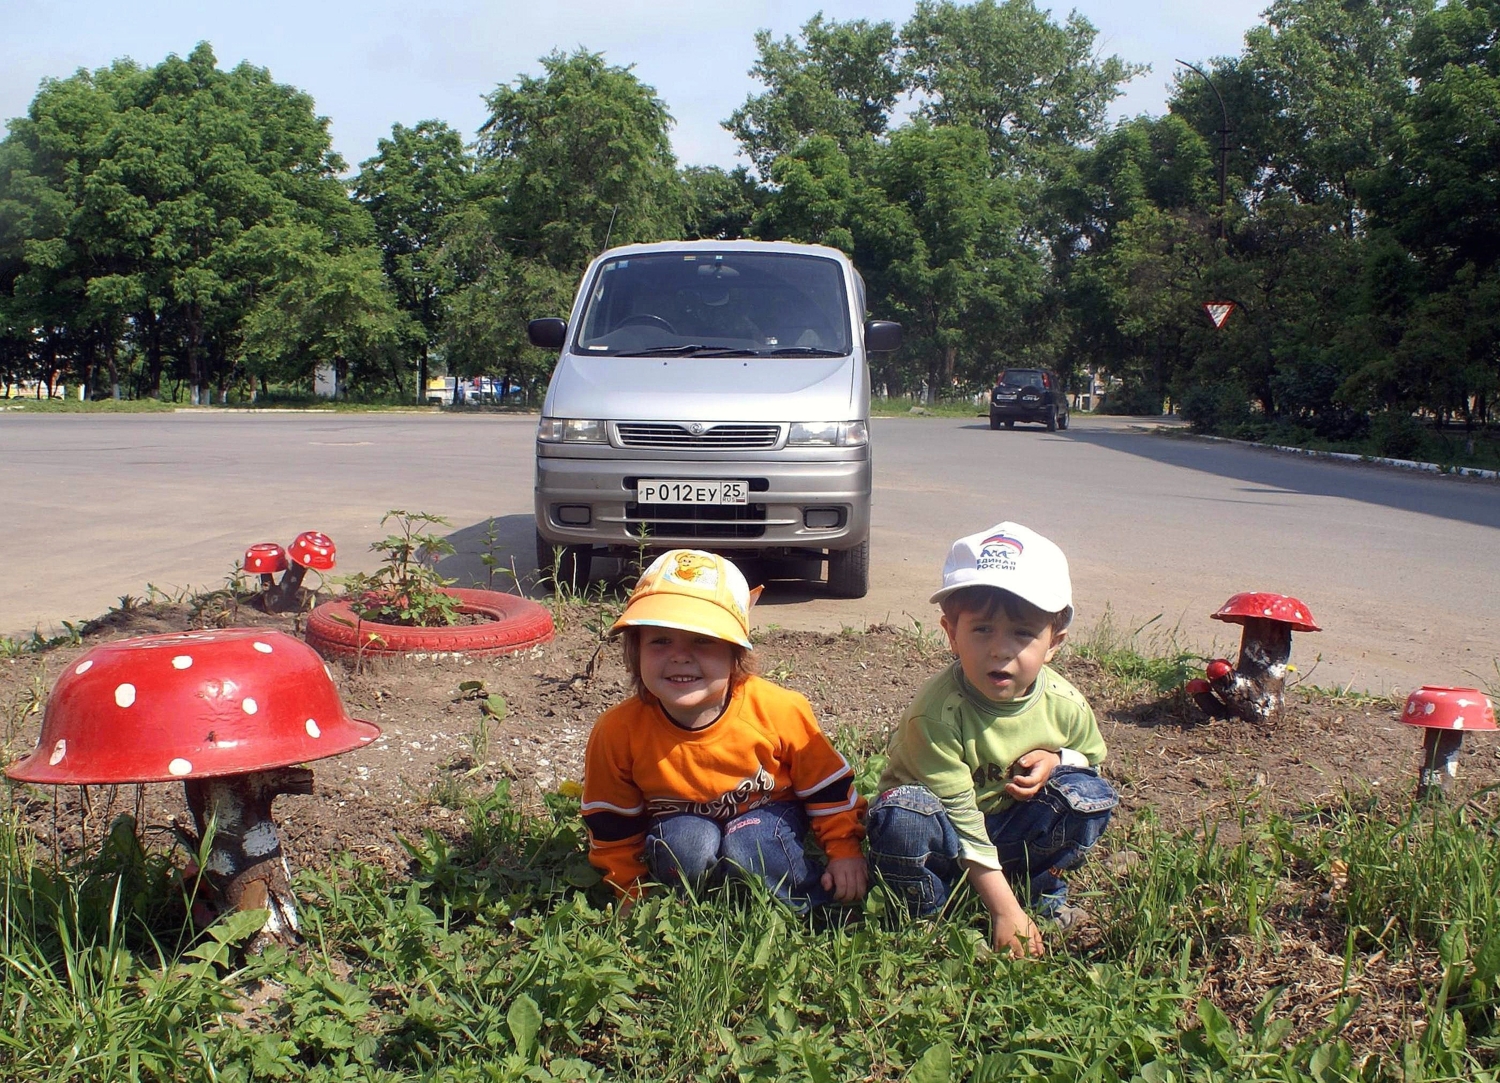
column 697, row 520
column 670, row 435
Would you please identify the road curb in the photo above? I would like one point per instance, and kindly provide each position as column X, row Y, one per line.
column 1347, row 456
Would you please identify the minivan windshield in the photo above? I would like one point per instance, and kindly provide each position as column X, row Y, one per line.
column 716, row 304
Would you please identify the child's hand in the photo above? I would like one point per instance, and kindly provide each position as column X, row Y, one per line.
column 1038, row 765
column 1016, row 933
column 847, row 878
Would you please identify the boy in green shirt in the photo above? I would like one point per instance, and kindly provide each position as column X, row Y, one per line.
column 991, row 771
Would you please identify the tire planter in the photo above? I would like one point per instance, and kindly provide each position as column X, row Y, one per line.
column 514, row 624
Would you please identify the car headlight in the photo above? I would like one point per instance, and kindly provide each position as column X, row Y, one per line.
column 570, row 430
column 828, row 434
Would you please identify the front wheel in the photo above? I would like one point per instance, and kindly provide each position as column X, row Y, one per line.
column 994, row 422
column 562, row 566
column 849, row 571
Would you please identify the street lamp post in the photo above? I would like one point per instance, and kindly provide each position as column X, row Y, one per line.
column 1223, row 143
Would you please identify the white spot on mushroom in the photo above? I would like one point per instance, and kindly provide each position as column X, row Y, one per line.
column 1429, row 708
column 180, row 767
column 1411, row 708
column 259, row 840
column 125, row 695
column 84, row 666
column 312, row 728
column 182, row 661
column 219, row 863
column 249, row 706
column 1267, row 612
column 59, row 750
column 1465, row 703
column 1458, row 723
column 257, row 562
column 264, row 648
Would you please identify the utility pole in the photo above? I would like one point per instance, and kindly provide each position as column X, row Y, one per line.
column 1223, row 144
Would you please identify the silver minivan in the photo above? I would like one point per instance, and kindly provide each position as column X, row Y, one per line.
column 712, row 394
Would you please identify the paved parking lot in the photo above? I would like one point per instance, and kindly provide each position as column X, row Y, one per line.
column 1400, row 569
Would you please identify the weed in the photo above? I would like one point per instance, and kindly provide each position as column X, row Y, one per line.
column 407, row 589
column 1160, row 663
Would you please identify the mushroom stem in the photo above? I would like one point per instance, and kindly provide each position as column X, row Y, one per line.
column 1439, row 762
column 285, row 594
column 1254, row 691
column 245, row 868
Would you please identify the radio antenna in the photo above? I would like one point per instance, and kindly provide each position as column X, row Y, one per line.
column 610, row 231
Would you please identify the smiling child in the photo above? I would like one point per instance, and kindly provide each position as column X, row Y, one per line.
column 991, row 772
column 708, row 770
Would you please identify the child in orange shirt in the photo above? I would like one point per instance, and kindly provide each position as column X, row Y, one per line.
column 709, row 770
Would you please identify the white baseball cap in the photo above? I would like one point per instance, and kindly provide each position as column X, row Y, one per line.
column 1014, row 558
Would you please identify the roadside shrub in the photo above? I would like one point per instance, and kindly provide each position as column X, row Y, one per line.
column 1131, row 400
column 1215, row 407
column 1395, row 434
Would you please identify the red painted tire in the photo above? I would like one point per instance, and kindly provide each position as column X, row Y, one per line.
column 514, row 625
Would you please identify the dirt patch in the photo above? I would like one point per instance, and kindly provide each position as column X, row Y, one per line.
column 438, row 743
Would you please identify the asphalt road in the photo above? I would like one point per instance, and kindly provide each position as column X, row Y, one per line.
column 1401, row 570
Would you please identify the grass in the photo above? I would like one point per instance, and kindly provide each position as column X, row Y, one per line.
column 500, row 959
column 1452, row 446
column 73, row 406
column 902, row 407
column 1149, row 657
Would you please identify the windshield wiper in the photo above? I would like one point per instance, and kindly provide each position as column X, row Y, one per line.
column 694, row 349
column 801, row 351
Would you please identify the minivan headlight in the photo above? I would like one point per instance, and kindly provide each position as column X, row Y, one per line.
column 828, row 434
column 570, row 430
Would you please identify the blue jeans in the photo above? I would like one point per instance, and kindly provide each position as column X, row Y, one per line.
column 914, row 848
column 764, row 843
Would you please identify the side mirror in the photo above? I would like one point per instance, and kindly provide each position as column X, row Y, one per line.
column 882, row 336
column 549, row 333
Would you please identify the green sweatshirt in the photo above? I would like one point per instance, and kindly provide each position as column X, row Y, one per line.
column 961, row 746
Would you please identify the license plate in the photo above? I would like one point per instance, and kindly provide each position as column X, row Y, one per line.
column 680, row 491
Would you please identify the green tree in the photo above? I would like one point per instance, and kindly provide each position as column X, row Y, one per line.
column 839, row 80
column 579, row 155
column 720, row 204
column 1029, row 84
column 417, row 178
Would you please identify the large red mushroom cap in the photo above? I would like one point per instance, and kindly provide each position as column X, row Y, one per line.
column 312, row 549
column 190, row 705
column 1440, row 708
column 1264, row 605
column 265, row 558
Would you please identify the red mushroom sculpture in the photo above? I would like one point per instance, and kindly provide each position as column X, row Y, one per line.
column 312, row 549
column 1252, row 688
column 228, row 713
column 1445, row 713
column 265, row 559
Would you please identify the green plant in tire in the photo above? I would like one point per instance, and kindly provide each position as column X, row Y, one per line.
column 407, row 589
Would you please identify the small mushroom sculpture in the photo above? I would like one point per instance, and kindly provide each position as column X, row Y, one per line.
column 228, row 713
column 265, row 559
column 1445, row 713
column 312, row 549
column 1252, row 688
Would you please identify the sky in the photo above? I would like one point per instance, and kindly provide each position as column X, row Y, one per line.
column 371, row 64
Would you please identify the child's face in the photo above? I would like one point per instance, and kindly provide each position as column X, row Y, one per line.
column 1002, row 655
column 688, row 672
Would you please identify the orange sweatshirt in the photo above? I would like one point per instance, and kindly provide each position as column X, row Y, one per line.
column 765, row 747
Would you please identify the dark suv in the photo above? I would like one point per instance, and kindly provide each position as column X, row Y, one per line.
column 1028, row 395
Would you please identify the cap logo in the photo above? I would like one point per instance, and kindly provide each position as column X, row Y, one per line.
column 692, row 570
column 998, row 552
column 696, row 428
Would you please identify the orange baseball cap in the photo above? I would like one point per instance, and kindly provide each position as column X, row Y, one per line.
column 695, row 592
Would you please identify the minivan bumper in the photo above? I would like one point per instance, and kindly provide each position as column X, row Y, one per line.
column 784, row 498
